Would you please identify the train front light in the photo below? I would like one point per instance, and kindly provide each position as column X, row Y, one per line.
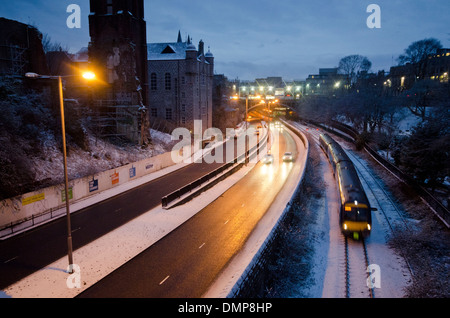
column 369, row 227
column 345, row 226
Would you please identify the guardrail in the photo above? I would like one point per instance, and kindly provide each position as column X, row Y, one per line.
column 208, row 180
column 436, row 206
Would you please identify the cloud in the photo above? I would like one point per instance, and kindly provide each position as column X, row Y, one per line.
column 264, row 37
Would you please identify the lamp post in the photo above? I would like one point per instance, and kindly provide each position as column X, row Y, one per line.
column 87, row 76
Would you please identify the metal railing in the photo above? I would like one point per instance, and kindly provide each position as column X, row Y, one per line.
column 200, row 184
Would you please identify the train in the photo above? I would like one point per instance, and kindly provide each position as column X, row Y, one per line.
column 355, row 212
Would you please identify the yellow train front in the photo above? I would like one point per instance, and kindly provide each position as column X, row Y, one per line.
column 355, row 217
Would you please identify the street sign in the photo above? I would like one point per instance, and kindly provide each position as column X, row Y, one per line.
column 93, row 185
column 63, row 195
column 132, row 172
column 115, row 178
column 34, row 198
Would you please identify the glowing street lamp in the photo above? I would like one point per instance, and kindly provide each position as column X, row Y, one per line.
column 87, row 76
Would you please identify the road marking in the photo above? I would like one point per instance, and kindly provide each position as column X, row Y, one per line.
column 202, row 245
column 162, row 282
column 11, row 259
column 226, row 221
column 74, row 230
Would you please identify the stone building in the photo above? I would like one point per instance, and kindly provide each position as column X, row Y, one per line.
column 21, row 49
column 180, row 83
column 118, row 53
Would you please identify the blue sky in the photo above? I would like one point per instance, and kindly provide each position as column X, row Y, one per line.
column 261, row 38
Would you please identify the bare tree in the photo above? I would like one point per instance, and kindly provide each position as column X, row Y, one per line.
column 353, row 65
column 419, row 51
column 50, row 46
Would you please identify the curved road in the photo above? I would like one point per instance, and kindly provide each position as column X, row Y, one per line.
column 29, row 252
column 185, row 263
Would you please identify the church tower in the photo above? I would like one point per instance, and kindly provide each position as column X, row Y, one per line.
column 118, row 47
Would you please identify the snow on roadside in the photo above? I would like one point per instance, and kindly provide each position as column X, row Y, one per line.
column 101, row 156
column 312, row 260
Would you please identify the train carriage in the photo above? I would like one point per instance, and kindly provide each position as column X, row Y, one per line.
column 355, row 215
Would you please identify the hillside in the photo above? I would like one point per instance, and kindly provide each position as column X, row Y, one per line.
column 30, row 139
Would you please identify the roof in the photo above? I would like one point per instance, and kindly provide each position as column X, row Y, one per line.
column 167, row 51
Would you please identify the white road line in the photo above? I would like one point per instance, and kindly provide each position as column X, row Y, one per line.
column 227, row 221
column 201, row 245
column 162, row 282
column 11, row 259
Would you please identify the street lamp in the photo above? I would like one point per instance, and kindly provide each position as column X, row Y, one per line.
column 87, row 76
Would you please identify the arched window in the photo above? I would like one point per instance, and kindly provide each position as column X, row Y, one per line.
column 153, row 82
column 168, row 81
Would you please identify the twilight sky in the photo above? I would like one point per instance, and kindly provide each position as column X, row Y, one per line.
column 261, row 38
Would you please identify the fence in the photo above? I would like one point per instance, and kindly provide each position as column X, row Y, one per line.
column 30, row 209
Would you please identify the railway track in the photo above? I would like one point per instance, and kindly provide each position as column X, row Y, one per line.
column 356, row 258
column 355, row 255
column 357, row 263
column 393, row 216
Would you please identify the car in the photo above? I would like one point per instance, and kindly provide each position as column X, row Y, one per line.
column 288, row 157
column 268, row 159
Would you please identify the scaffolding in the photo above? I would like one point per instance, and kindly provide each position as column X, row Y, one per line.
column 113, row 119
column 13, row 59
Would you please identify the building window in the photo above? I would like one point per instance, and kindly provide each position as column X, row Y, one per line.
column 183, row 120
column 109, row 7
column 183, row 107
column 154, row 112
column 168, row 80
column 169, row 113
column 183, row 80
column 153, row 82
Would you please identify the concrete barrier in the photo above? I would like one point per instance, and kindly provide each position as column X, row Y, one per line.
column 30, row 209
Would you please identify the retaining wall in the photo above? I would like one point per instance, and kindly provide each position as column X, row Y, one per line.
column 32, row 208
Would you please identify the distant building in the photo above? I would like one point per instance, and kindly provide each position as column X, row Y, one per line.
column 435, row 67
column 180, row 83
column 21, row 49
column 327, row 82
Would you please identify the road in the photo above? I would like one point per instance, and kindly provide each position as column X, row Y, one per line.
column 185, row 263
column 31, row 251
